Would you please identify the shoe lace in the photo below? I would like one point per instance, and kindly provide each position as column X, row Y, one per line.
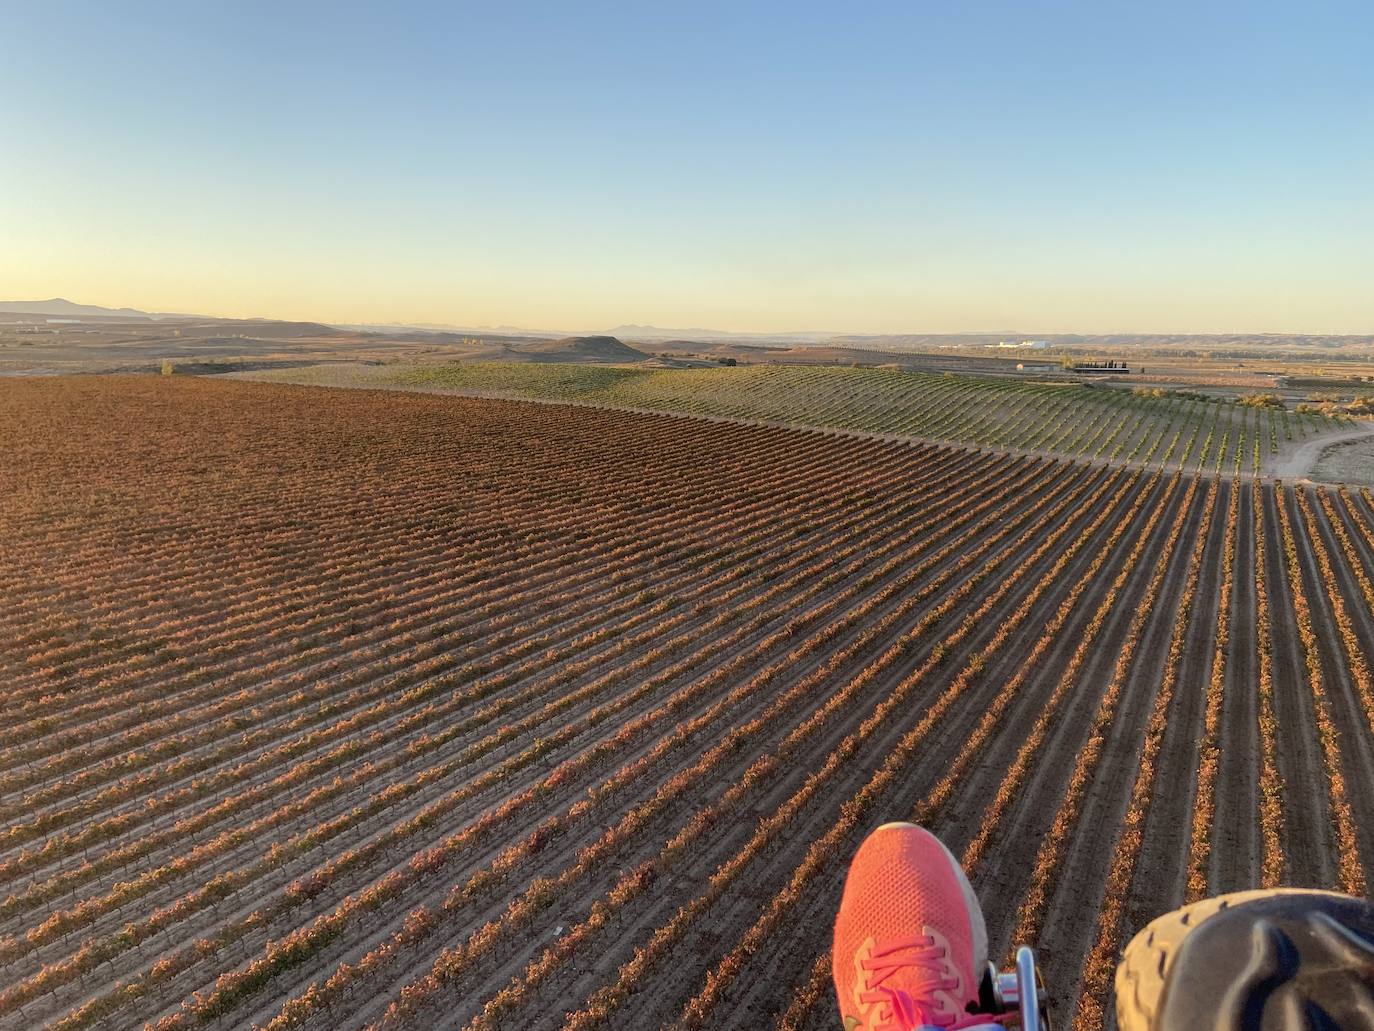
column 901, row 1008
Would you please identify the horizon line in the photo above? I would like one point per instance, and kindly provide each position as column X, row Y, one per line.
column 131, row 310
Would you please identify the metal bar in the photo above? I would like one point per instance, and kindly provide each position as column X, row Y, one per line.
column 1027, row 989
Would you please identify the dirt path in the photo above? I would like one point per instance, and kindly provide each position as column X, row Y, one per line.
column 1071, row 916
column 1309, row 840
column 1301, row 462
column 1161, row 871
column 1351, row 462
column 1236, row 846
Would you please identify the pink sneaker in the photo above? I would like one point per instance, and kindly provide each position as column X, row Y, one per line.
column 910, row 943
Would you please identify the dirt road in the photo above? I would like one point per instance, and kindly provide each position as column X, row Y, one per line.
column 1302, row 460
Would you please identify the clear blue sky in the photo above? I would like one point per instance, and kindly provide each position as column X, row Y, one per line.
column 883, row 167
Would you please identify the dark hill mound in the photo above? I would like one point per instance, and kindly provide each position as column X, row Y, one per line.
column 262, row 329
column 595, row 349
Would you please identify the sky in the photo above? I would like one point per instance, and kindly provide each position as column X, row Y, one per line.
column 915, row 166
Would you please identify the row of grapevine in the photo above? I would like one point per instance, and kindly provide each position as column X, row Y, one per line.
column 1352, row 878
column 382, row 710
column 660, row 944
column 1011, row 485
column 700, row 1006
column 1204, row 804
column 719, row 675
column 1100, row 965
column 1020, row 414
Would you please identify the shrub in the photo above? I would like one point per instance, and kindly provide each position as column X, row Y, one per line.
column 1261, row 401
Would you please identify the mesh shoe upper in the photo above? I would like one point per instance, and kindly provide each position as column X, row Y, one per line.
column 910, row 944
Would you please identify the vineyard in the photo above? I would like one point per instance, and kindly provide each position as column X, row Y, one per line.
column 356, row 709
column 1174, row 430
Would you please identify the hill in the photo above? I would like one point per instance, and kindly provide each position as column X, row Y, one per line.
column 60, row 307
column 261, row 329
column 589, row 348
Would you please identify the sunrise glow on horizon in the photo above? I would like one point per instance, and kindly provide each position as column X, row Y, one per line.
column 912, row 167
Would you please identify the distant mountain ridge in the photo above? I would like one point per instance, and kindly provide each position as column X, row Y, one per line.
column 675, row 339
column 636, row 332
column 647, row 334
column 60, row 307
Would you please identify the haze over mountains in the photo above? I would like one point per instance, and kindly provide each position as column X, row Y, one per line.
column 628, row 331
column 675, row 338
column 60, row 307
